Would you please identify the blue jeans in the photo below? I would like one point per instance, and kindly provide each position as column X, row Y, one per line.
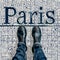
column 21, row 52
column 38, row 52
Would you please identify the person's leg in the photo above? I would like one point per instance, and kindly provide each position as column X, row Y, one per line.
column 38, row 52
column 37, row 49
column 20, row 52
column 21, row 49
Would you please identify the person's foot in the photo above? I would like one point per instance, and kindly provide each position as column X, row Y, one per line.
column 21, row 34
column 36, row 34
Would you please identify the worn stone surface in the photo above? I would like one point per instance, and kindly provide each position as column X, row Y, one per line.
column 50, row 40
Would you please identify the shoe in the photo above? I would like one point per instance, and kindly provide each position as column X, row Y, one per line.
column 36, row 34
column 21, row 34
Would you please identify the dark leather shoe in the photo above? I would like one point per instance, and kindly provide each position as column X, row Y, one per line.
column 36, row 34
column 21, row 34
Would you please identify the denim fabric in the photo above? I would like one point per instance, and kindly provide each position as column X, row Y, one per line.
column 20, row 52
column 38, row 52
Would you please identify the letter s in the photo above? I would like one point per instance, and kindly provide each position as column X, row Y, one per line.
column 53, row 20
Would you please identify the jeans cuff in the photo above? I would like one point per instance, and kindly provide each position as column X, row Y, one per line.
column 22, row 45
column 36, row 45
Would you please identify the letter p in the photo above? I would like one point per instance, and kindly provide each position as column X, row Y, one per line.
column 7, row 13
